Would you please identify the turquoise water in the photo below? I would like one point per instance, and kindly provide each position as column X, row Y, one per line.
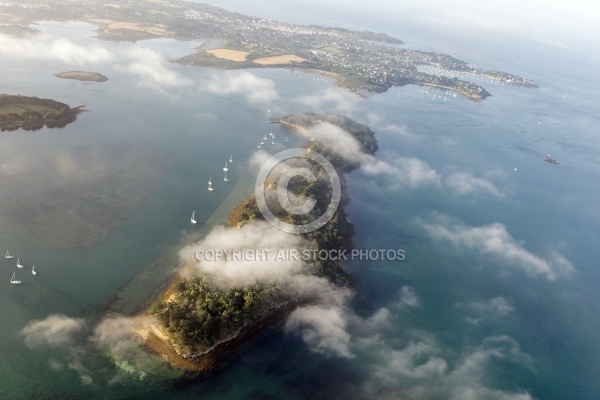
column 545, row 342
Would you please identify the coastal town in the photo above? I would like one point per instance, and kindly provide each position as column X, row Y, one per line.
column 364, row 62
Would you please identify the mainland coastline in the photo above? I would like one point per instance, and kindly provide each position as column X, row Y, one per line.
column 361, row 61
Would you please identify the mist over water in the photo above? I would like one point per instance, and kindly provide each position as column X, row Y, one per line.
column 497, row 296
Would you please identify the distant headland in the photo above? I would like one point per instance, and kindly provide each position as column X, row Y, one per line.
column 82, row 76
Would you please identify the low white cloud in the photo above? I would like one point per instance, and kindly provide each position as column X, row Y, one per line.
column 338, row 140
column 407, row 298
column 76, row 365
column 462, row 183
column 486, row 311
column 60, row 331
column 55, row 365
column 262, row 256
column 418, row 359
column 398, row 131
column 495, row 241
column 41, row 47
column 400, row 172
column 495, row 173
column 323, row 328
column 428, row 370
column 255, row 90
column 322, row 324
column 412, row 361
column 148, row 66
column 332, row 99
column 319, row 290
column 403, row 172
column 55, row 330
column 151, row 69
column 377, row 321
column 118, row 336
column 498, row 306
column 115, row 335
column 260, row 158
column 412, row 173
column 379, row 124
column 231, row 271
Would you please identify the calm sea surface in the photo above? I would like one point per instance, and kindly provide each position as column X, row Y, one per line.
column 546, row 344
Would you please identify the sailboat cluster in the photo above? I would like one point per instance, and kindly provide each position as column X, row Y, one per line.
column 210, row 184
column 225, row 170
column 264, row 140
column 13, row 279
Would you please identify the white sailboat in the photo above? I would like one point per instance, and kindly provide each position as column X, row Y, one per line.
column 287, row 139
column 230, row 159
column 273, row 140
column 225, row 167
column 19, row 265
column 264, row 139
column 193, row 219
column 225, row 178
column 14, row 280
column 259, row 145
column 8, row 256
column 33, row 270
column 210, row 188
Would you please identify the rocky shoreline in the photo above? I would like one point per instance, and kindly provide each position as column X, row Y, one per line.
column 157, row 341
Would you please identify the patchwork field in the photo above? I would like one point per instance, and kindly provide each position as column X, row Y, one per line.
column 157, row 29
column 232, row 55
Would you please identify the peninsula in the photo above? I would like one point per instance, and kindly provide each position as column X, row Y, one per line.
column 199, row 321
column 32, row 113
column 82, row 76
column 363, row 62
